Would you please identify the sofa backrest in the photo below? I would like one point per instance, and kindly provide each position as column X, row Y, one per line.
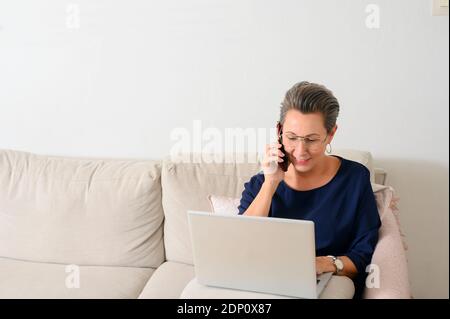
column 110, row 211
column 186, row 186
column 80, row 211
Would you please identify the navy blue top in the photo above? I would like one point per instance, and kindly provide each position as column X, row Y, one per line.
column 344, row 212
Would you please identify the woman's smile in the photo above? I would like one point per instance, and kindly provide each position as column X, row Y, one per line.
column 302, row 161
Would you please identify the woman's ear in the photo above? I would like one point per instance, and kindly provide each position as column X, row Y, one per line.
column 333, row 131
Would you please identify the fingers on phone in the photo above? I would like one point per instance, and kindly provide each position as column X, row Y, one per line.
column 275, row 145
column 277, row 153
column 273, row 159
column 274, row 153
column 276, row 159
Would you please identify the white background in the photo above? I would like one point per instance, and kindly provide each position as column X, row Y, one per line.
column 115, row 78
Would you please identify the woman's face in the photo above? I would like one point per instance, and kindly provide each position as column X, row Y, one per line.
column 307, row 153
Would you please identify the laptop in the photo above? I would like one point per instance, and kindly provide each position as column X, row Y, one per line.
column 260, row 254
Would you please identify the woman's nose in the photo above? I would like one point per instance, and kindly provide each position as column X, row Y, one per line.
column 299, row 150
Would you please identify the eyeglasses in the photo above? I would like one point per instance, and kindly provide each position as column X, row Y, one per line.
column 312, row 144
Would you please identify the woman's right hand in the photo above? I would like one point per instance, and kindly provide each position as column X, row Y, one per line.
column 273, row 173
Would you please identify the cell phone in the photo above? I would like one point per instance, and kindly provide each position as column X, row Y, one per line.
column 283, row 165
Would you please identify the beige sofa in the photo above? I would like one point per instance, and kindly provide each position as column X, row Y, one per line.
column 117, row 228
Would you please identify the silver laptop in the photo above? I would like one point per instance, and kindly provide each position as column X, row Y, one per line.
column 261, row 254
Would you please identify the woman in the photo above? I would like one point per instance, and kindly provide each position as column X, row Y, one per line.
column 333, row 192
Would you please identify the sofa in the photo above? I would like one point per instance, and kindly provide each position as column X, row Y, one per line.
column 117, row 228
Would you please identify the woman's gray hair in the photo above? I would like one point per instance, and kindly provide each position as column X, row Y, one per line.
column 309, row 97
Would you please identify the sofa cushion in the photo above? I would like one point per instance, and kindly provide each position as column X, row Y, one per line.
column 168, row 281
column 80, row 211
column 186, row 186
column 25, row 279
column 195, row 290
column 339, row 287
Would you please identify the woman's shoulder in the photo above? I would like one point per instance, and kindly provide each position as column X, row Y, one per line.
column 258, row 178
column 355, row 169
column 255, row 182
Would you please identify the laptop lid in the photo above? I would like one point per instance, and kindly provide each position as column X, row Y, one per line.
column 269, row 255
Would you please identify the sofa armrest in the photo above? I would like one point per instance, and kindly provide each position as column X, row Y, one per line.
column 380, row 175
column 390, row 278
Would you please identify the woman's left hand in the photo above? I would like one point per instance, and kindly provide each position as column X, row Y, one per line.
column 324, row 264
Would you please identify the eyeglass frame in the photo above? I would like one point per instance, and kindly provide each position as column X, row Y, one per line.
column 302, row 138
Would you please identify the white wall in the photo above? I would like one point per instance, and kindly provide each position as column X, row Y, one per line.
column 117, row 77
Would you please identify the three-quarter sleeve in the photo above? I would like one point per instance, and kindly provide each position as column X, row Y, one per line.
column 251, row 190
column 366, row 226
